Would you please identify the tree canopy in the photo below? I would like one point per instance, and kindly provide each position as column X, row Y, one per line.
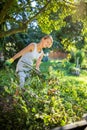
column 16, row 15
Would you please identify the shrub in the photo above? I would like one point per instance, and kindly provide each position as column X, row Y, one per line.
column 43, row 105
column 80, row 54
column 72, row 57
column 74, row 70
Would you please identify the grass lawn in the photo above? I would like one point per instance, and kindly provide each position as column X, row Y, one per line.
column 59, row 65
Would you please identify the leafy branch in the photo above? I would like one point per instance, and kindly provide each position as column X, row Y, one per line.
column 23, row 25
column 5, row 9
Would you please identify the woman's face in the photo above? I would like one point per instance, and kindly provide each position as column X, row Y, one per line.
column 47, row 43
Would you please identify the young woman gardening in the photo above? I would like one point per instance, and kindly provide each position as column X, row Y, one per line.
column 33, row 52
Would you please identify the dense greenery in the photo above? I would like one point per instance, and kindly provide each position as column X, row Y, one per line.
column 44, row 104
column 16, row 16
column 24, row 21
column 70, row 36
column 60, row 97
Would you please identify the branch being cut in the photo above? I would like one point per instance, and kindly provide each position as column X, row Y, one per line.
column 24, row 25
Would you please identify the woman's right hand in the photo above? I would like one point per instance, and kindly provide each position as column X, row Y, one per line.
column 9, row 61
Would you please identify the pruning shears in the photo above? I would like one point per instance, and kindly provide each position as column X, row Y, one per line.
column 35, row 70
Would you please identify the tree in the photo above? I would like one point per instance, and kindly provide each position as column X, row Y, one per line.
column 16, row 15
column 70, row 35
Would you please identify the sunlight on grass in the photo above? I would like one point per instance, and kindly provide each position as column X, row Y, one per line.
column 84, row 79
column 76, row 80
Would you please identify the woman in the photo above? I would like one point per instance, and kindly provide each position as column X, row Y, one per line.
column 33, row 52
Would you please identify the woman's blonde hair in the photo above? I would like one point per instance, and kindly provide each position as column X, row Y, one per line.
column 48, row 36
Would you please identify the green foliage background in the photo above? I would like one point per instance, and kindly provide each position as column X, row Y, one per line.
column 62, row 97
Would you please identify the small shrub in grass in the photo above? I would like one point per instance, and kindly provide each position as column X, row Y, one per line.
column 72, row 57
column 80, row 54
column 74, row 70
column 68, row 64
column 84, row 65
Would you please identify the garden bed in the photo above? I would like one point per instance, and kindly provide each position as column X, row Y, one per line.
column 58, row 103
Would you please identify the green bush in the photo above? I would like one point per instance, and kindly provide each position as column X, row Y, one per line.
column 43, row 105
column 84, row 64
column 80, row 54
column 74, row 70
column 72, row 57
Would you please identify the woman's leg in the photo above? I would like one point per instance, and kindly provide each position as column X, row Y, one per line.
column 22, row 77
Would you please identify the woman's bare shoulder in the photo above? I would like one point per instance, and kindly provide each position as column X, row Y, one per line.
column 31, row 46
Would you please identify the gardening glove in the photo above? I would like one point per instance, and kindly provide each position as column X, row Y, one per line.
column 9, row 61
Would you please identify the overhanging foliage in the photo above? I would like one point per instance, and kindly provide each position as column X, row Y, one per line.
column 15, row 16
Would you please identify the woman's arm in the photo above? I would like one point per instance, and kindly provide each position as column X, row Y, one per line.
column 28, row 48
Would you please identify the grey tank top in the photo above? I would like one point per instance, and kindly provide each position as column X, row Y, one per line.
column 28, row 58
